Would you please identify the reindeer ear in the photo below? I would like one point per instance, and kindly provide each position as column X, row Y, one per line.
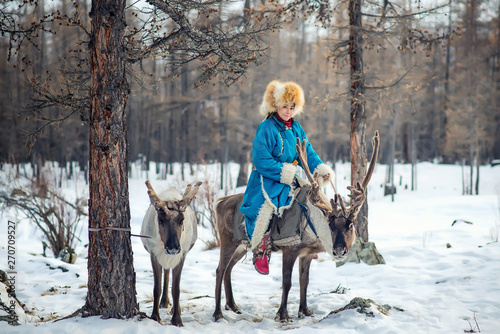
column 324, row 209
column 163, row 206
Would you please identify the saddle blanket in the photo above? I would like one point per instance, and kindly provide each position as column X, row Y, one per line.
column 285, row 231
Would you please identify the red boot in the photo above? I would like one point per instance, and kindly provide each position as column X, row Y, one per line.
column 261, row 257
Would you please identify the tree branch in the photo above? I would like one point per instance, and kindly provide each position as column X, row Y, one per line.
column 395, row 82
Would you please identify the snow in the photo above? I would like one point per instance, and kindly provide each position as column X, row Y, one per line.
column 438, row 278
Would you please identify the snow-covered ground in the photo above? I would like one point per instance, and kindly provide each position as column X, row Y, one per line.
column 438, row 278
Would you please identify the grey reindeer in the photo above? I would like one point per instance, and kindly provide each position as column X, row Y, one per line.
column 334, row 223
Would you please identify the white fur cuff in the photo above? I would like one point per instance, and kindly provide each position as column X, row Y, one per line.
column 324, row 169
column 262, row 223
column 288, row 173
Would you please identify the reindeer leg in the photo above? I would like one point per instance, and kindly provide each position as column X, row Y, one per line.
column 157, row 271
column 218, row 289
column 227, row 250
column 165, row 302
column 304, row 265
column 230, row 304
column 176, row 309
column 289, row 257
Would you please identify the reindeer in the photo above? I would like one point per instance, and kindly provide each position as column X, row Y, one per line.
column 334, row 223
column 171, row 230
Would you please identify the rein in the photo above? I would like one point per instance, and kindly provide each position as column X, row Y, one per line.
column 121, row 229
column 306, row 213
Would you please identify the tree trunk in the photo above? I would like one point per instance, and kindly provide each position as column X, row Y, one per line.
column 478, row 165
column 244, row 158
column 358, row 117
column 358, row 126
column 111, row 283
column 446, row 97
column 496, row 83
column 413, row 154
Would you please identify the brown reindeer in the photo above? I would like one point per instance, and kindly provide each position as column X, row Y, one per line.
column 171, row 227
column 334, row 223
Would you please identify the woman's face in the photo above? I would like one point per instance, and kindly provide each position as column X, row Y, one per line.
column 286, row 112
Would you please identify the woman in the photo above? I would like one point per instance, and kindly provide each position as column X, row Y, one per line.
column 270, row 189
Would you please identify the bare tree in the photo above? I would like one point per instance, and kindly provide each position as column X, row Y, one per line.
column 471, row 110
column 358, row 116
column 43, row 204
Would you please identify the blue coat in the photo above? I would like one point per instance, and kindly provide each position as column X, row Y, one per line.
column 271, row 184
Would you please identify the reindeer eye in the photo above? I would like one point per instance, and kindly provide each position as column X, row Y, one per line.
column 351, row 226
column 161, row 210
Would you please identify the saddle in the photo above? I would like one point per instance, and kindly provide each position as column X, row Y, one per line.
column 286, row 230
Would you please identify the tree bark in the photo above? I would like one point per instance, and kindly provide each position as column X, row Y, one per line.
column 496, row 83
column 111, row 283
column 446, row 97
column 244, row 157
column 358, row 117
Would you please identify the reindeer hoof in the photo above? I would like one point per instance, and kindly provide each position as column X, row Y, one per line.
column 156, row 317
column 305, row 313
column 217, row 316
column 176, row 321
column 234, row 308
column 283, row 318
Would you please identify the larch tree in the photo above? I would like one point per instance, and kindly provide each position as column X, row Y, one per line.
column 358, row 115
column 111, row 283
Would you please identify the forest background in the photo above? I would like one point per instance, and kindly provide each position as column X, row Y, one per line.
column 106, row 83
column 437, row 101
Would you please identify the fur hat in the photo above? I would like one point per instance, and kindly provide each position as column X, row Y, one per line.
column 280, row 93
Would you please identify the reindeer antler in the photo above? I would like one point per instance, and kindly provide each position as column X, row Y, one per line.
column 358, row 192
column 188, row 189
column 189, row 195
column 338, row 207
column 155, row 200
column 302, row 152
column 153, row 197
column 314, row 193
column 373, row 160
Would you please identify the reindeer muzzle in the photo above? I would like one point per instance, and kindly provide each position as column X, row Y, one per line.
column 172, row 251
column 340, row 253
